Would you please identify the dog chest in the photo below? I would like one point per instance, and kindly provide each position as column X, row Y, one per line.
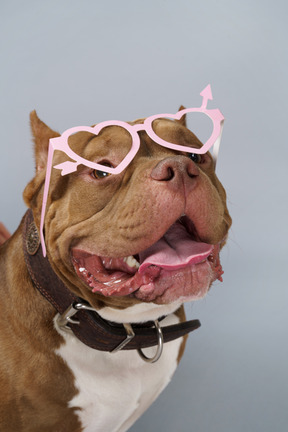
column 115, row 389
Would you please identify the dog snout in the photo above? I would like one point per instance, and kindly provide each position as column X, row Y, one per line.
column 173, row 169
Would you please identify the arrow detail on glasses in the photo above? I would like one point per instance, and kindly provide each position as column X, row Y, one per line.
column 67, row 167
column 206, row 95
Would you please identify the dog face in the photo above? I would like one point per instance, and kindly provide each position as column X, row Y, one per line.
column 149, row 234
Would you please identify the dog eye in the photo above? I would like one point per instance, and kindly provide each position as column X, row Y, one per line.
column 98, row 174
column 195, row 157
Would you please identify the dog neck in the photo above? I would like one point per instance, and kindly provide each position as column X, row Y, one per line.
column 89, row 327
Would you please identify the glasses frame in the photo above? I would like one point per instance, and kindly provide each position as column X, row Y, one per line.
column 61, row 144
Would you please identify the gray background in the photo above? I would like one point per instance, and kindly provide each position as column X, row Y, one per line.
column 85, row 62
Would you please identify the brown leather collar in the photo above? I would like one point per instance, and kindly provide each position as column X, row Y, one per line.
column 90, row 328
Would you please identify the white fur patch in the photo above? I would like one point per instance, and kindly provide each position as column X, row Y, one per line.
column 138, row 313
column 115, row 389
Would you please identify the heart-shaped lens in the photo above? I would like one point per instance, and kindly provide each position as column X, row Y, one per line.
column 199, row 128
column 110, row 146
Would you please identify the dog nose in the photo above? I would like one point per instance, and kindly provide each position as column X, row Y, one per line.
column 175, row 168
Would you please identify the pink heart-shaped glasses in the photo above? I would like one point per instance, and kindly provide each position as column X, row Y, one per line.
column 61, row 143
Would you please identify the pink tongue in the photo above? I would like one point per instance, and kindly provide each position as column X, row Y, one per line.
column 175, row 250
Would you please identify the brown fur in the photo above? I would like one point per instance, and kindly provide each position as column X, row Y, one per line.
column 4, row 233
column 35, row 384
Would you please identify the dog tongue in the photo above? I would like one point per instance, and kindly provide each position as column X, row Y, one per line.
column 175, row 250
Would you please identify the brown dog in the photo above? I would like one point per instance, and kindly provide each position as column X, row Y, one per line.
column 115, row 244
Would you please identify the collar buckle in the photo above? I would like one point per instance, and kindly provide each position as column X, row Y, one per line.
column 63, row 320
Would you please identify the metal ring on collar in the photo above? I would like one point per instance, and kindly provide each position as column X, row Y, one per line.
column 159, row 347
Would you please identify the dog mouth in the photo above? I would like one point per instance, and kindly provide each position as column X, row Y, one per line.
column 177, row 267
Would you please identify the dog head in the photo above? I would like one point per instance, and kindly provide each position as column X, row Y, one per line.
column 151, row 233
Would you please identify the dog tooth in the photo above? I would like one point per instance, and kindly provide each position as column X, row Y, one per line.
column 131, row 262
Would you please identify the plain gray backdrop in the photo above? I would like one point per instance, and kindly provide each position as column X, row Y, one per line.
column 82, row 62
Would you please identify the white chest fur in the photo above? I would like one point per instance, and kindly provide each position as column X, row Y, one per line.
column 115, row 389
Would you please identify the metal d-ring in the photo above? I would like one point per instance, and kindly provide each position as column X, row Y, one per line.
column 159, row 347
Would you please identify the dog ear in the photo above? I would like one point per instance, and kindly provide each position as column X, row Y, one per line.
column 182, row 120
column 41, row 134
column 4, row 233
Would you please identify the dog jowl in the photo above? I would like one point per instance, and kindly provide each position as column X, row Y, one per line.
column 133, row 245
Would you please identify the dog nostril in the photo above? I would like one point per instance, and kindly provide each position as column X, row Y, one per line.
column 192, row 173
column 170, row 174
column 173, row 167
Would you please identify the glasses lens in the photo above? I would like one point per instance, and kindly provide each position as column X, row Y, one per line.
column 200, row 129
column 109, row 147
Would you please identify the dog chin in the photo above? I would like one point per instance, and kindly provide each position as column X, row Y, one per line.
column 176, row 268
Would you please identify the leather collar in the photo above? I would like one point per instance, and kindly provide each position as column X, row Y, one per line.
column 89, row 328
